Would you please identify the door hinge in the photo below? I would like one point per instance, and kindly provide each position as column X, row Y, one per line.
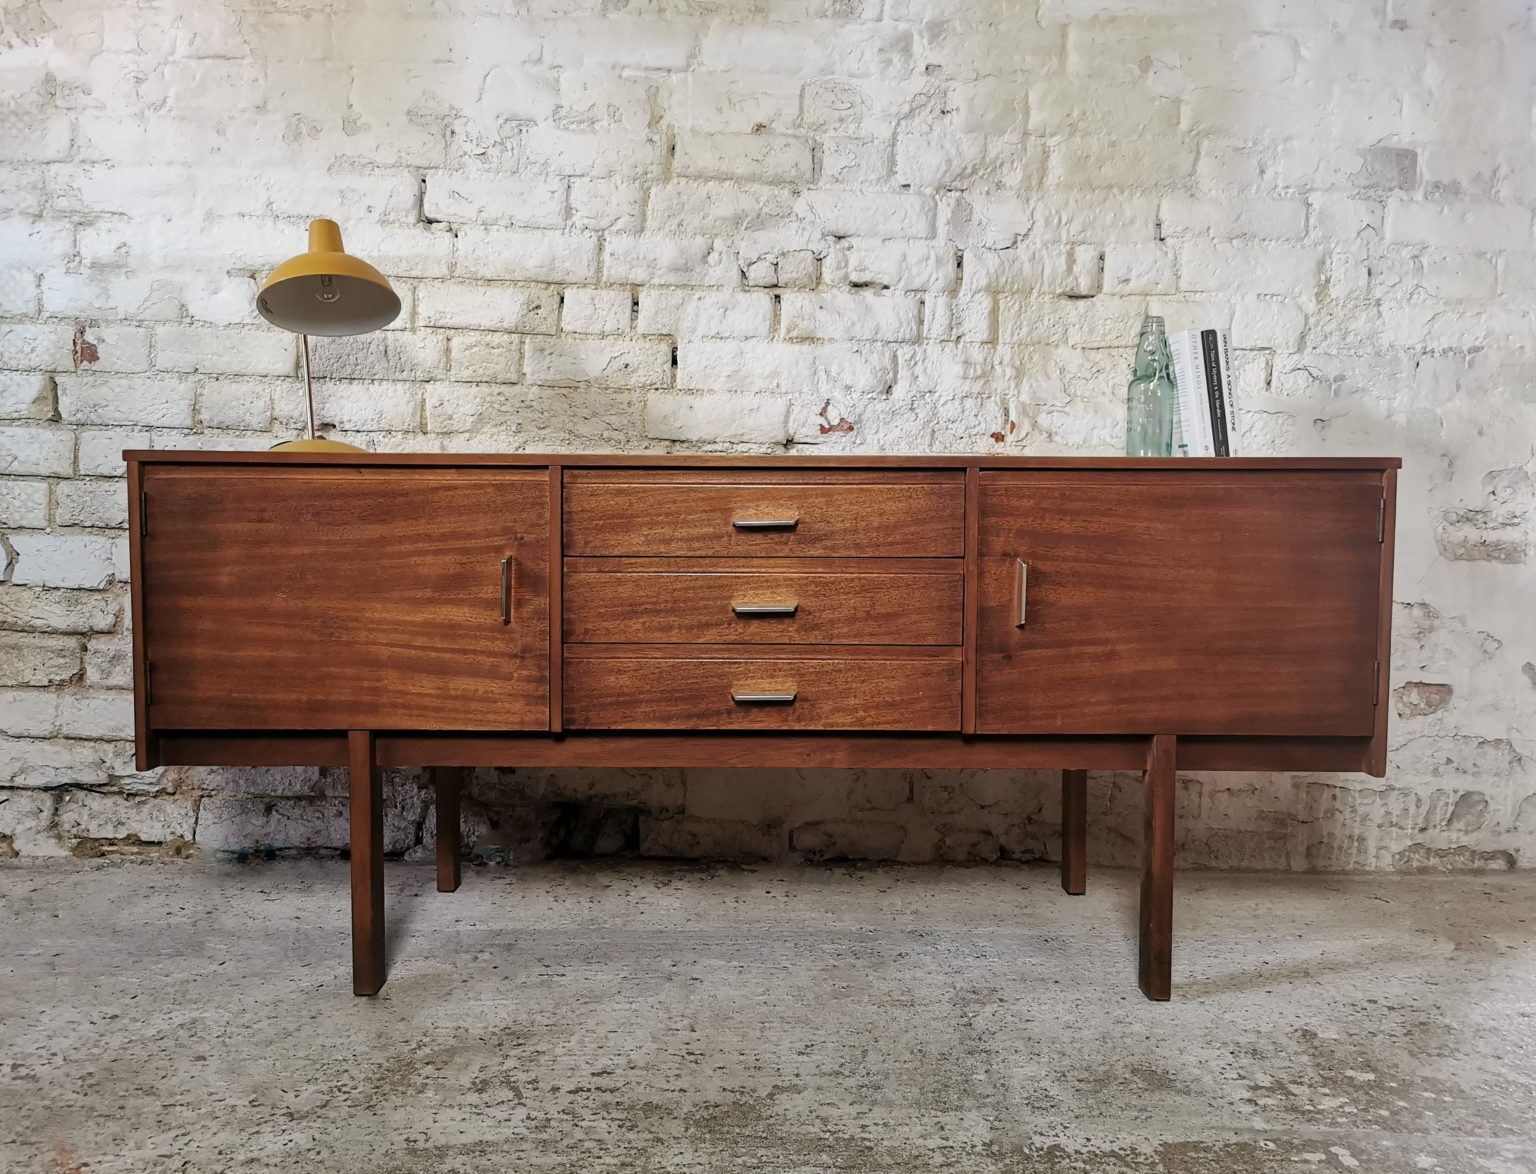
column 1376, row 684
column 1381, row 521
column 149, row 684
column 143, row 513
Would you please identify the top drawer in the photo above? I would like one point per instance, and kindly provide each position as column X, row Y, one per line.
column 767, row 512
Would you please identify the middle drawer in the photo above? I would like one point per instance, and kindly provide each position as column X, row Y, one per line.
column 763, row 601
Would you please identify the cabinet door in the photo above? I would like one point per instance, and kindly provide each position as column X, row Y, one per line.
column 1179, row 602
column 346, row 598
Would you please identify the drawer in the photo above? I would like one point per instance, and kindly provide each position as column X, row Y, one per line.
column 755, row 514
column 762, row 601
column 738, row 690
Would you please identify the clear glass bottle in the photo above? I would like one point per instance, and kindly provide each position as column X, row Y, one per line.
column 1149, row 398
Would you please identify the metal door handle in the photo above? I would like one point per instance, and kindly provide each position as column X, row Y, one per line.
column 763, row 698
column 506, row 590
column 765, row 523
column 1020, row 592
column 752, row 610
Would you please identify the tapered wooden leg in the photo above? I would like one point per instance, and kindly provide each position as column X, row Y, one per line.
column 449, row 780
column 1155, row 972
column 1074, row 831
column 365, row 786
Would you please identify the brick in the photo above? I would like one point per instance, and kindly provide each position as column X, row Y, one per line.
column 1460, row 226
column 854, row 161
column 601, row 154
column 23, row 503
column 267, row 351
column 109, row 662
column 514, row 255
column 382, row 355
column 29, row 243
column 358, row 406
column 596, row 311
column 637, row 42
column 959, row 319
column 150, row 819
column 1063, row 269
column 35, row 762
column 793, row 368
column 31, row 609
column 594, row 362
column 35, row 659
column 899, row 265
column 734, row 100
column 18, row 293
column 850, row 316
column 91, row 502
column 1224, row 219
column 1139, row 269
column 878, row 215
column 717, row 419
column 685, row 314
column 78, row 713
column 105, row 294
column 607, row 204
column 520, row 309
column 39, row 452
column 767, row 158
column 25, row 397
column 26, row 819
column 239, row 403
column 661, row 260
column 717, row 207
column 1233, row 268
column 502, row 200
column 482, row 357
column 62, row 560
column 1275, row 325
column 1079, row 322
column 99, row 399
column 37, row 346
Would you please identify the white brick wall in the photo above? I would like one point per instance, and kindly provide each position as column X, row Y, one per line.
column 838, row 225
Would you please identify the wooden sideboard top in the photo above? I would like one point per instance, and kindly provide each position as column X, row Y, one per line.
column 696, row 460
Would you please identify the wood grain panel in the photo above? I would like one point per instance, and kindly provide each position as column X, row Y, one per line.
column 695, row 607
column 1196, row 603
column 695, row 694
column 345, row 598
column 652, row 515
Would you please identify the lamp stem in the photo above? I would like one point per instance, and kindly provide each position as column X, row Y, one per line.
column 309, row 388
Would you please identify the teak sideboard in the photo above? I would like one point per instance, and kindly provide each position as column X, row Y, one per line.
column 453, row 611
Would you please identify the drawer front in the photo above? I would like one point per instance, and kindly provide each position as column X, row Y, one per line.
column 751, row 693
column 772, row 606
column 919, row 517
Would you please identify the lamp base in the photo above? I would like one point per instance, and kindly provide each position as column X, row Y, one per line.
column 317, row 444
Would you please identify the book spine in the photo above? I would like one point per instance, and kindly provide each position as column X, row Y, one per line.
column 1211, row 365
column 1183, row 420
column 1233, row 445
column 1199, row 413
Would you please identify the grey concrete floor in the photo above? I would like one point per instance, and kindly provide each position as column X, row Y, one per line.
column 652, row 1017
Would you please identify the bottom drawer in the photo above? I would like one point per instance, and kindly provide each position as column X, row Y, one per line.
column 752, row 693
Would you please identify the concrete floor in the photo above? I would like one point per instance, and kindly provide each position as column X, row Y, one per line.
column 644, row 1017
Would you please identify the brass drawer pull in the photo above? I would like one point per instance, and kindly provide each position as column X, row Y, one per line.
column 763, row 698
column 765, row 523
column 753, row 610
column 506, row 590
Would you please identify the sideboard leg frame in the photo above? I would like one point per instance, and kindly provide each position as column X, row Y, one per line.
column 365, row 786
column 449, row 780
column 1155, row 970
column 1074, row 831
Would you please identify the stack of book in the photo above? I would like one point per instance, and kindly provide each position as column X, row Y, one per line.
column 1205, row 424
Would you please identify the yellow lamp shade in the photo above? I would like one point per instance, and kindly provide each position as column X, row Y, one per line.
column 326, row 290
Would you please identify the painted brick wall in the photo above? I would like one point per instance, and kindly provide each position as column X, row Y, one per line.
column 776, row 225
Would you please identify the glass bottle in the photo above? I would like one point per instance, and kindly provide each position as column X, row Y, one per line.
column 1149, row 398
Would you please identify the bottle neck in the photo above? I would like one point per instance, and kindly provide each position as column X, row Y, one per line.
column 1151, row 352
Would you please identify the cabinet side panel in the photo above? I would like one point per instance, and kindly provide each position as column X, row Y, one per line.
column 1376, row 758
